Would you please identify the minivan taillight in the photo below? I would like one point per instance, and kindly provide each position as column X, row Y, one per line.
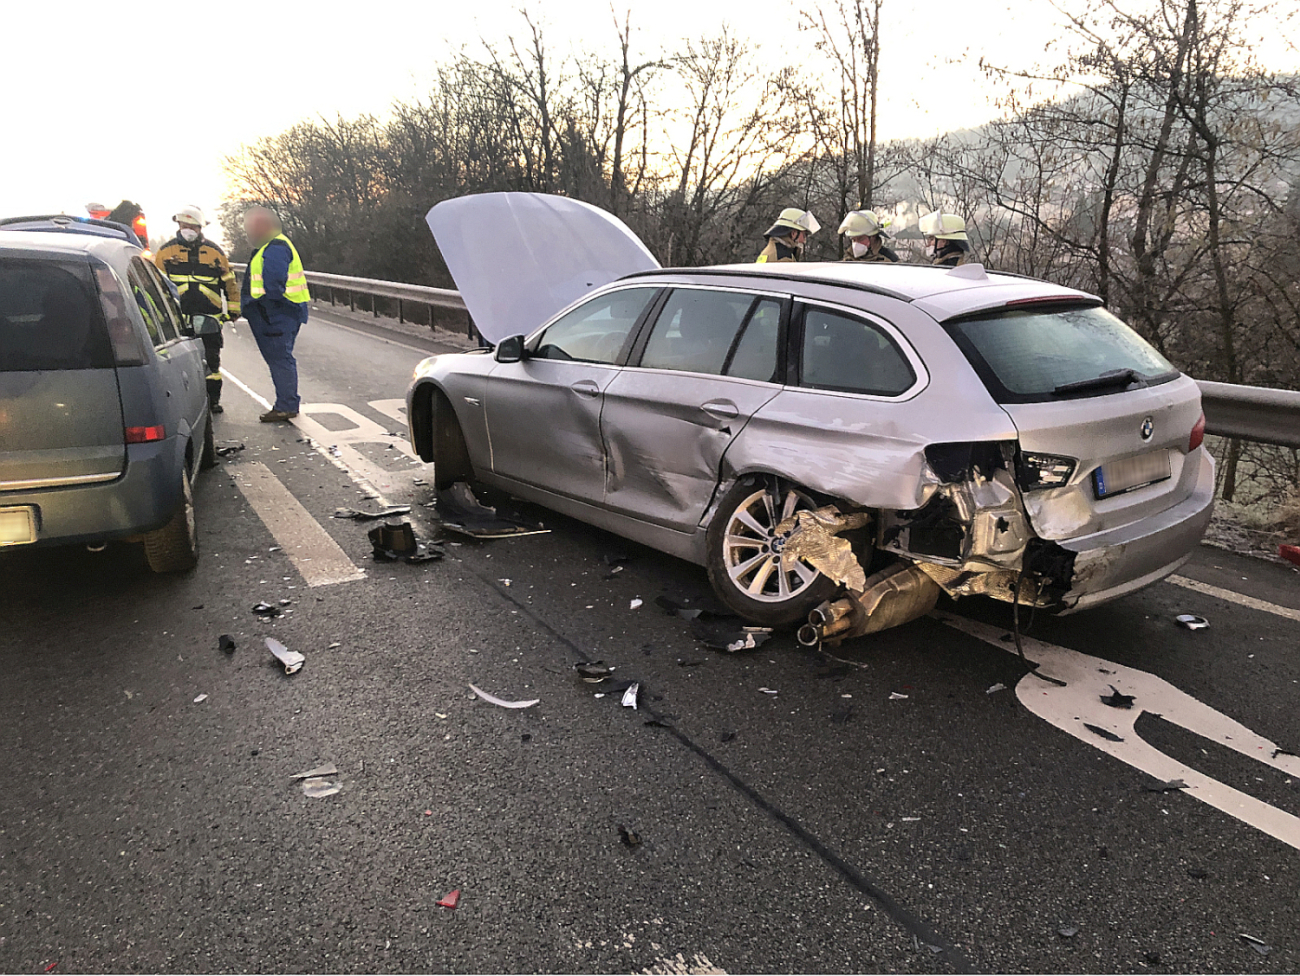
column 145, row 435
column 1198, row 435
column 128, row 347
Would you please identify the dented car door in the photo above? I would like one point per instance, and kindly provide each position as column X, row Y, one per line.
column 709, row 361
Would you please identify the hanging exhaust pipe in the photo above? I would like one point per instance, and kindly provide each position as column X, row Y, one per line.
column 894, row 596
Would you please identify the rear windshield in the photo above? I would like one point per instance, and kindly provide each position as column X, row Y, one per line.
column 1029, row 355
column 50, row 318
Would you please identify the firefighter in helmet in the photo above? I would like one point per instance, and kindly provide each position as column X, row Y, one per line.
column 865, row 230
column 202, row 275
column 946, row 243
column 786, row 238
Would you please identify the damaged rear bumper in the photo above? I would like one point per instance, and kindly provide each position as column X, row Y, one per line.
column 1112, row 564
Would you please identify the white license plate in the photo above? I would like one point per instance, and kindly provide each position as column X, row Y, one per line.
column 17, row 526
column 1118, row 477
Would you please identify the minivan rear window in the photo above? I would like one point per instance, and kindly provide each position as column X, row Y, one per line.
column 50, row 317
column 1041, row 354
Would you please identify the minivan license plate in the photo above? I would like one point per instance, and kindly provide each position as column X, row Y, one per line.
column 17, row 526
column 1118, row 477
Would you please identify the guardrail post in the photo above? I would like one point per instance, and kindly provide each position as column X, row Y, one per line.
column 400, row 311
column 374, row 306
column 432, row 321
column 352, row 300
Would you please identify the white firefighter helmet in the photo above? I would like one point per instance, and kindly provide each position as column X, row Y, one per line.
column 944, row 226
column 792, row 218
column 98, row 210
column 864, row 223
column 190, row 215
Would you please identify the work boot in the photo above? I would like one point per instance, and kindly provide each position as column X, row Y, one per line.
column 218, row 408
column 277, row 416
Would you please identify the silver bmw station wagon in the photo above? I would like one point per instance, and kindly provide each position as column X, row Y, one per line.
column 838, row 444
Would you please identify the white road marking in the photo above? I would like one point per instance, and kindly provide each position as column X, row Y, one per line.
column 1232, row 596
column 395, row 409
column 313, row 552
column 679, row 965
column 1088, row 678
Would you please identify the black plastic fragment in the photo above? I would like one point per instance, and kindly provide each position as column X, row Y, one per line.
column 395, row 537
column 226, row 643
column 461, row 512
column 630, row 838
column 526, row 737
column 1104, row 733
column 1173, row 786
column 727, row 633
column 1284, row 752
column 1117, row 700
column 1198, row 873
column 1152, row 958
column 1259, row 945
column 593, row 672
column 728, row 736
column 1068, row 931
column 356, row 516
column 229, row 449
column 266, row 610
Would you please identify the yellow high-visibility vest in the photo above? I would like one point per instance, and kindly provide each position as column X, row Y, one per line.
column 295, row 286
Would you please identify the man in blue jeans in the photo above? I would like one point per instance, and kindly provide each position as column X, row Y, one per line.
column 274, row 299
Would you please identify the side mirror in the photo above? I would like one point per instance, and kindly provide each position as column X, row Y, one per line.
column 204, row 325
column 510, row 350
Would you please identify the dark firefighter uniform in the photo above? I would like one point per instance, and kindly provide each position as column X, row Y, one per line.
column 781, row 243
column 201, row 274
column 880, row 254
column 779, row 249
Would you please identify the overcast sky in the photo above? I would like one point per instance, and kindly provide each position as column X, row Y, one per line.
column 142, row 100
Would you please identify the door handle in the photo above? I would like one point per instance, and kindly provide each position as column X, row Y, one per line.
column 721, row 409
column 586, row 389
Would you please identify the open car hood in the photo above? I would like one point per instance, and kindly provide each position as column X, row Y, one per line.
column 518, row 258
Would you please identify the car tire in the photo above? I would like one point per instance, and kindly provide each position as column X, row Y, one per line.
column 743, row 566
column 208, row 459
column 175, row 547
column 448, row 449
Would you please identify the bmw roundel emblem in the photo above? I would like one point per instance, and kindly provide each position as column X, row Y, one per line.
column 1148, row 428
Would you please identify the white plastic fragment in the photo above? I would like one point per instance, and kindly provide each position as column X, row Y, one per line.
column 329, row 769
column 896, row 696
column 635, row 603
column 994, row 688
column 200, row 698
column 494, row 700
column 292, row 660
column 629, row 696
column 768, row 691
column 318, row 786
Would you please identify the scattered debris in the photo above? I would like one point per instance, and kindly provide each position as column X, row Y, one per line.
column 593, row 672
column 1068, row 931
column 200, row 698
column 992, row 689
column 616, row 562
column 1290, row 553
column 1173, row 786
column 334, row 645
column 397, row 538
column 813, row 538
column 329, row 769
column 629, row 696
column 630, row 838
column 1117, row 700
column 728, row 633
column 1152, row 958
column 1284, row 752
column 896, row 696
column 526, row 737
column 354, row 515
column 728, row 736
column 226, row 643
column 1200, row 874
column 1259, row 945
column 636, row 604
column 683, row 663
column 684, row 610
column 1104, row 733
column 292, row 660
column 494, row 700
column 769, row 691
column 229, row 449
column 1190, row 621
column 318, row 786
column 450, row 900
column 266, row 610
column 459, row 511
column 50, row 967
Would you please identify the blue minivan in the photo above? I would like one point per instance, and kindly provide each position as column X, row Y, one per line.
column 104, row 418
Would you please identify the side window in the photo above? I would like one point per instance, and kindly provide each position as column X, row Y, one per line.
column 755, row 355
column 143, row 281
column 596, row 331
column 166, row 297
column 695, row 330
column 152, row 314
column 851, row 356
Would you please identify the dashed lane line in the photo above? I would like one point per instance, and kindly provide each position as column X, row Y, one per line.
column 309, row 547
column 1232, row 596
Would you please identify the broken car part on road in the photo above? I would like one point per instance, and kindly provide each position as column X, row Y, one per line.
column 494, row 700
column 292, row 660
column 459, row 511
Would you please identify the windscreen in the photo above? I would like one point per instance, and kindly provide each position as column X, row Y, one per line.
column 50, row 317
column 1029, row 355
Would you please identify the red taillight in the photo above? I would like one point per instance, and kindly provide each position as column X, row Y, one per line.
column 1198, row 435
column 145, row 435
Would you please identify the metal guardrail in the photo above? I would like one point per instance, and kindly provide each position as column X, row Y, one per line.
column 1250, row 413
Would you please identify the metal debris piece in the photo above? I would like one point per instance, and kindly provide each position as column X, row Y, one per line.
column 636, row 604
column 1068, row 931
column 728, row 633
column 267, row 610
column 450, row 900
column 460, row 512
column 1172, row 786
column 396, row 538
column 593, row 672
column 226, row 643
column 629, row 696
column 292, row 660
column 1259, row 945
column 200, row 698
column 356, row 516
column 317, row 787
column 630, row 838
column 813, row 537
column 494, row 700
column 991, row 689
column 229, row 449
column 892, row 597
column 1104, row 733
column 768, row 691
column 1117, row 700
column 328, row 769
column 896, row 696
column 1190, row 621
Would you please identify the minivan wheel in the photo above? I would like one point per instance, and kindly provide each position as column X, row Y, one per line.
column 175, row 547
column 208, row 459
column 744, row 558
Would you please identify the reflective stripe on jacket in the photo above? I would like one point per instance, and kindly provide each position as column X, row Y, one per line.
column 295, row 285
column 201, row 273
column 778, row 249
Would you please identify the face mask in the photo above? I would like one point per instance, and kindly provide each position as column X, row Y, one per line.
column 932, row 246
column 859, row 249
column 189, row 235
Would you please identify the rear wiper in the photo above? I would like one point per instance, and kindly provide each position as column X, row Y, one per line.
column 1114, row 377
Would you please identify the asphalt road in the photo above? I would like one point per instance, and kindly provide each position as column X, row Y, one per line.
column 828, row 827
